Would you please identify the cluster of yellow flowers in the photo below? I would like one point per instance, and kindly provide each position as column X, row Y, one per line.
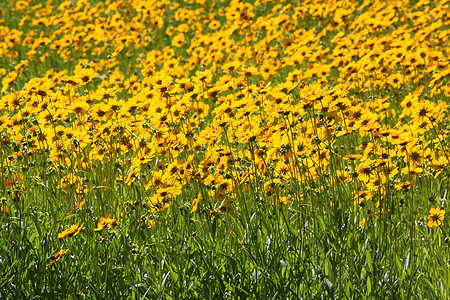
column 218, row 99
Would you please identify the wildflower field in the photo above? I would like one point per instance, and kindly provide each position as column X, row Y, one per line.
column 208, row 149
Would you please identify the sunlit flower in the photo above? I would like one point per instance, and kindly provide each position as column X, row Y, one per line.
column 365, row 170
column 395, row 80
column 436, row 216
column 248, row 72
column 195, row 204
column 71, row 231
column 106, row 222
column 57, row 256
column 175, row 99
column 362, row 222
column 178, row 40
column 8, row 80
column 423, row 109
column 4, row 208
column 86, row 75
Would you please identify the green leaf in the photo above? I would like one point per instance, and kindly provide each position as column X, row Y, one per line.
column 321, row 223
column 398, row 264
column 214, row 228
column 363, row 273
column 369, row 285
column 328, row 267
column 369, row 260
column 290, row 229
column 349, row 240
column 348, row 289
column 405, row 266
column 173, row 273
column 251, row 255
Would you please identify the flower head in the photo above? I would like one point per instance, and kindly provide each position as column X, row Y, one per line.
column 57, row 256
column 105, row 222
column 71, row 231
column 436, row 216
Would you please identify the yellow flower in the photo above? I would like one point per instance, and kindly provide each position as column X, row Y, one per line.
column 195, row 204
column 117, row 50
column 133, row 174
column 57, row 256
column 71, row 231
column 178, row 40
column 105, row 222
column 284, row 200
column 436, row 216
column 395, row 80
column 79, row 107
column 231, row 67
column 365, row 170
column 70, row 180
column 8, row 79
column 4, row 208
column 248, row 72
column 362, row 222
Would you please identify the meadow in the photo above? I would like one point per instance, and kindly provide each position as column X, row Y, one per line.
column 209, row 149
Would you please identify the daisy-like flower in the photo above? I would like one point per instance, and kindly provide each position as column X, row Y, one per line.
column 178, row 40
column 57, row 256
column 8, row 80
column 231, row 67
column 71, row 231
column 248, row 72
column 195, row 203
column 436, row 216
column 85, row 75
column 106, row 222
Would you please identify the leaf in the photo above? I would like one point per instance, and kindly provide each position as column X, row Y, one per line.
column 290, row 229
column 173, row 272
column 348, row 289
column 321, row 223
column 251, row 255
column 349, row 240
column 68, row 217
column 328, row 267
column 168, row 297
column 369, row 261
column 405, row 266
column 214, row 228
column 363, row 248
column 163, row 283
column 398, row 264
column 369, row 286
column 284, row 268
